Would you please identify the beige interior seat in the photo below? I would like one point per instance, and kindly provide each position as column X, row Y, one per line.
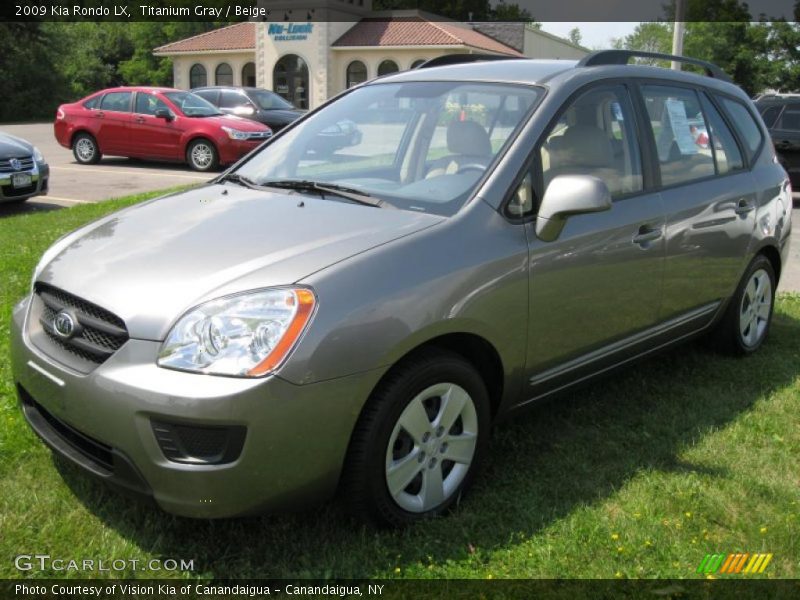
column 468, row 144
column 583, row 150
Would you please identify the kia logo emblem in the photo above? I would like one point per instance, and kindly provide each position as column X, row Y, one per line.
column 15, row 164
column 64, row 324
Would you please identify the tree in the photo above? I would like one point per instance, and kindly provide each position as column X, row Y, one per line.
column 575, row 36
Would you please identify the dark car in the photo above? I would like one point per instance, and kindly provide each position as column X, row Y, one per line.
column 23, row 170
column 155, row 124
column 781, row 114
column 274, row 111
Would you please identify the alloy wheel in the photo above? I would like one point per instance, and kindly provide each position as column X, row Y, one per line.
column 755, row 308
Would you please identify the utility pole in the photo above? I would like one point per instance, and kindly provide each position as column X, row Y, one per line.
column 677, row 32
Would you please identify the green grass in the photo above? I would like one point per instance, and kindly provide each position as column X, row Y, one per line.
column 638, row 475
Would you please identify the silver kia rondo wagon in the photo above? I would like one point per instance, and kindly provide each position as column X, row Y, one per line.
column 358, row 320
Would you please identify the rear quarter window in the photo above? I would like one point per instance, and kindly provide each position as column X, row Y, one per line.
column 745, row 123
column 93, row 103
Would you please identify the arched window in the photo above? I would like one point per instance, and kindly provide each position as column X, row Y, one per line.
column 223, row 75
column 249, row 75
column 387, row 66
column 197, row 76
column 290, row 80
column 356, row 73
column 417, row 63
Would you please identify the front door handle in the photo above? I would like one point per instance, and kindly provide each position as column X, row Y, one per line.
column 744, row 206
column 646, row 235
column 783, row 144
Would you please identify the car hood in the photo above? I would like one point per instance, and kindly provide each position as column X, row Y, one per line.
column 149, row 263
column 11, row 146
column 284, row 115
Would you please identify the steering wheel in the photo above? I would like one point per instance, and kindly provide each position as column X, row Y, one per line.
column 471, row 167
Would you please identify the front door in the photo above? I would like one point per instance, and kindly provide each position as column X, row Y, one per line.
column 595, row 291
column 152, row 136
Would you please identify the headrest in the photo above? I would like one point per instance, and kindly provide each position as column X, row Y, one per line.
column 468, row 137
column 587, row 146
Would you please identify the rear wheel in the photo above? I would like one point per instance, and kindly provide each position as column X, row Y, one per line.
column 419, row 440
column 746, row 322
column 202, row 155
column 85, row 149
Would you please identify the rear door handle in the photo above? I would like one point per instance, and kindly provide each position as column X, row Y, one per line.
column 100, row 115
column 744, row 206
column 139, row 120
column 646, row 235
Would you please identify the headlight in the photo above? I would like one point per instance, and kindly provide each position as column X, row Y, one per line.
column 37, row 155
column 247, row 335
column 235, row 134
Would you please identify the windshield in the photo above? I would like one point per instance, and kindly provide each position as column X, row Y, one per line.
column 192, row 105
column 269, row 101
column 419, row 146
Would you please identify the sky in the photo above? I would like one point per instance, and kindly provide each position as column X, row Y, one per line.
column 595, row 35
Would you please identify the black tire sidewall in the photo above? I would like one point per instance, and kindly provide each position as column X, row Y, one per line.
column 447, row 368
column 215, row 156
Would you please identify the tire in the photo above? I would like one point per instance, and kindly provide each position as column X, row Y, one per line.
column 202, row 155
column 746, row 322
column 85, row 149
column 396, row 476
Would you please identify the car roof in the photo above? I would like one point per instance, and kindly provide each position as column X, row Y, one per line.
column 551, row 72
column 137, row 88
column 233, row 87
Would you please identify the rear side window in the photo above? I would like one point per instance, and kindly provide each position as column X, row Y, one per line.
column 117, row 101
column 681, row 134
column 745, row 124
column 726, row 152
column 595, row 136
column 770, row 115
column 790, row 119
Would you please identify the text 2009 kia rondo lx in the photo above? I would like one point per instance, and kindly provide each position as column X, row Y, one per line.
column 502, row 231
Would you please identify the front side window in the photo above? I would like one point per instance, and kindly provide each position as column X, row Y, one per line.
column 745, row 123
column 148, row 104
column 230, row 99
column 117, row 101
column 419, row 145
column 192, row 105
column 595, row 136
column 680, row 132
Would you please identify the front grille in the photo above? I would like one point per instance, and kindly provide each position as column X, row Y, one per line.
column 92, row 449
column 26, row 164
column 98, row 333
column 259, row 135
column 199, row 443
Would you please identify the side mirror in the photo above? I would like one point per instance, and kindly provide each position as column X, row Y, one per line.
column 163, row 113
column 566, row 196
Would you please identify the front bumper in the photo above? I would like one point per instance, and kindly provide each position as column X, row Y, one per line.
column 232, row 150
column 294, row 447
column 40, row 175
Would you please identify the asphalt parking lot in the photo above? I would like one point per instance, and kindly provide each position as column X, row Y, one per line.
column 71, row 184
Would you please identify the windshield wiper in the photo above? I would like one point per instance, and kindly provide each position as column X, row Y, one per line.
column 240, row 180
column 358, row 196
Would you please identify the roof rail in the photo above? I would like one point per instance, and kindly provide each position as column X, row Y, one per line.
column 621, row 57
column 458, row 59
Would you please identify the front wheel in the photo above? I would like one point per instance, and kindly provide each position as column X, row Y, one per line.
column 202, row 155
column 746, row 322
column 419, row 441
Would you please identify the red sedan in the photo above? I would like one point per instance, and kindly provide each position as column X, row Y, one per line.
column 155, row 124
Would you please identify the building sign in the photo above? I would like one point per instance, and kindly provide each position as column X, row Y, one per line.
column 290, row 32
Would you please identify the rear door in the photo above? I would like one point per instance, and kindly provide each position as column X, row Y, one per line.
column 151, row 136
column 595, row 292
column 709, row 197
column 113, row 120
